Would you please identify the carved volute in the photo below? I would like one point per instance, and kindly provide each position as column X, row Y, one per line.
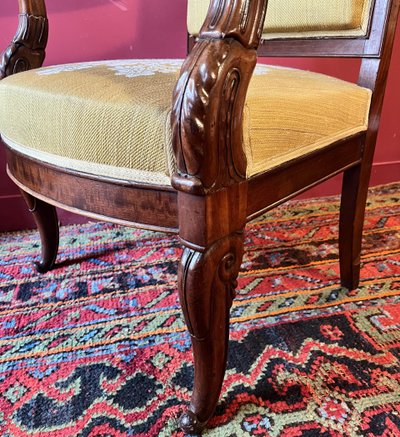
column 210, row 95
column 27, row 49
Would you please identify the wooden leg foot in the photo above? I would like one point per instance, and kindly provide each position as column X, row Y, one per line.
column 190, row 424
column 207, row 281
column 43, row 266
column 45, row 216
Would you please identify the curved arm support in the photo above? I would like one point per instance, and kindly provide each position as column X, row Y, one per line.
column 210, row 95
column 27, row 49
column 207, row 118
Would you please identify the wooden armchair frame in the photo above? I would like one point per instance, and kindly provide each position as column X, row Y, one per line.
column 211, row 199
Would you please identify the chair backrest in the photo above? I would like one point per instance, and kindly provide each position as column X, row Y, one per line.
column 301, row 18
column 368, row 35
column 344, row 28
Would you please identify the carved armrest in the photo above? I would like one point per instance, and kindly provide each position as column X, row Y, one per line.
column 27, row 49
column 209, row 97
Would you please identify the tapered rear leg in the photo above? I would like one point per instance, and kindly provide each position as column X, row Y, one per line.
column 45, row 216
column 352, row 213
column 207, row 282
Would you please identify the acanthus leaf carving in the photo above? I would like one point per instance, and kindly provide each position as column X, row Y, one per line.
column 209, row 98
column 207, row 115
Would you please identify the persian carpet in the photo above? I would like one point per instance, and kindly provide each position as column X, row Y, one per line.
column 98, row 347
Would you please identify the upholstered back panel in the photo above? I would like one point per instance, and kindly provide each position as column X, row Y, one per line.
column 301, row 18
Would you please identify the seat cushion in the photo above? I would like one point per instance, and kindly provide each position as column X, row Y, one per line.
column 112, row 118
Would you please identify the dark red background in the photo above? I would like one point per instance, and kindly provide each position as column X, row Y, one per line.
column 111, row 29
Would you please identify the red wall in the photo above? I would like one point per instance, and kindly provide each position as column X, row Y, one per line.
column 111, row 29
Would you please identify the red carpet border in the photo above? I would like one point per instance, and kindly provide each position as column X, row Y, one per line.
column 98, row 347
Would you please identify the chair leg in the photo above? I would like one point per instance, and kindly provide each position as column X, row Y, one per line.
column 352, row 212
column 207, row 282
column 45, row 216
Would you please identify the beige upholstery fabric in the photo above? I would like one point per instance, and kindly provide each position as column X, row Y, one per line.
column 114, row 113
column 113, row 118
column 300, row 18
column 292, row 112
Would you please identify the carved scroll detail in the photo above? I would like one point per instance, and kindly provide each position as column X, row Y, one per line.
column 207, row 282
column 27, row 49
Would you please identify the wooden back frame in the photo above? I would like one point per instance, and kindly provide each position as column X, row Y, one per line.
column 369, row 45
column 211, row 199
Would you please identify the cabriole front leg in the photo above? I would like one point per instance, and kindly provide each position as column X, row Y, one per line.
column 207, row 282
column 45, row 216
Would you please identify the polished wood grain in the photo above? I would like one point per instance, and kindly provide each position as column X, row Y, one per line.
column 301, row 174
column 211, row 199
column 45, row 216
column 209, row 153
column 121, row 202
column 207, row 282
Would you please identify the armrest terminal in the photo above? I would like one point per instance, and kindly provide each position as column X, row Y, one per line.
column 27, row 49
column 210, row 95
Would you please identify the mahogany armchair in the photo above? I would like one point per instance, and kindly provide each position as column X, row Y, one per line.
column 203, row 151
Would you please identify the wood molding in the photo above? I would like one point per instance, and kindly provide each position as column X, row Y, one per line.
column 302, row 174
column 151, row 207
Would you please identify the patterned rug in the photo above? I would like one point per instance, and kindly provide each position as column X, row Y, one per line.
column 98, row 347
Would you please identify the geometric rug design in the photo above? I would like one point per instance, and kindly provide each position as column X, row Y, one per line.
column 98, row 346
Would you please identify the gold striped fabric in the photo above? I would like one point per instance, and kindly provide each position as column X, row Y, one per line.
column 112, row 118
column 301, row 18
